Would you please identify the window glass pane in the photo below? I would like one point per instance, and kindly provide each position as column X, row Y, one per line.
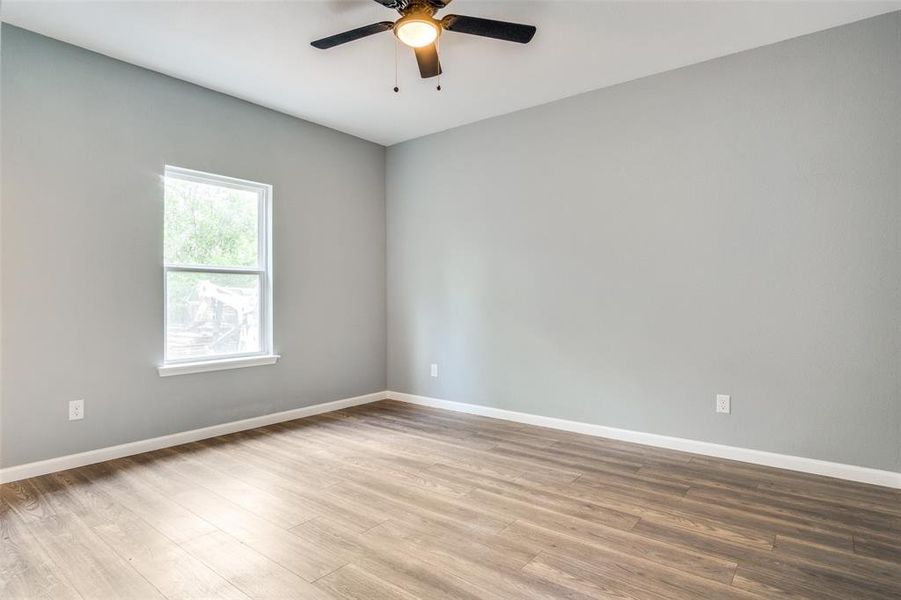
column 210, row 225
column 211, row 314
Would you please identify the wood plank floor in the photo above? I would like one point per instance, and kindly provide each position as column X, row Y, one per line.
column 394, row 501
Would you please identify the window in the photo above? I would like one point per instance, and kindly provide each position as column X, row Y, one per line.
column 217, row 270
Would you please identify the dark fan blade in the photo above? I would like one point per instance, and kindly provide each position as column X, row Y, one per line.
column 427, row 57
column 353, row 34
column 400, row 5
column 395, row 4
column 499, row 30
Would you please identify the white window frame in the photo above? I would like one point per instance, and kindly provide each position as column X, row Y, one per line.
column 266, row 355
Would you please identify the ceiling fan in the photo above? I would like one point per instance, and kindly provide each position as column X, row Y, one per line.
column 419, row 29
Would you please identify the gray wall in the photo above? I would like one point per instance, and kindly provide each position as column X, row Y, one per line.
column 622, row 256
column 84, row 141
column 617, row 257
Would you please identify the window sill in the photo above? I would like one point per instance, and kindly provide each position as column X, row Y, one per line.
column 217, row 365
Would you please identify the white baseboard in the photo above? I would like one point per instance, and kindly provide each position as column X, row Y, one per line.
column 783, row 461
column 759, row 457
column 52, row 465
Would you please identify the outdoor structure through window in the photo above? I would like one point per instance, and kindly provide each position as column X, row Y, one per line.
column 217, row 268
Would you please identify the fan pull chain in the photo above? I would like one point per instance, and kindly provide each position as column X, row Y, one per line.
column 396, row 89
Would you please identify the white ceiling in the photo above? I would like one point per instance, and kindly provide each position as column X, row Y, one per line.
column 260, row 51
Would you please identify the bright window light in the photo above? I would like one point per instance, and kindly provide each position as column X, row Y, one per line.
column 217, row 267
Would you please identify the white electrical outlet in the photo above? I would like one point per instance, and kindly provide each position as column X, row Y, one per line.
column 723, row 403
column 76, row 410
column 434, row 370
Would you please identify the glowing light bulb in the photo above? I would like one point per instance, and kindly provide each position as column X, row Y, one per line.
column 416, row 33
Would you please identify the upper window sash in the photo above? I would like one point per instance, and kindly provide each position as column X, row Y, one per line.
column 263, row 193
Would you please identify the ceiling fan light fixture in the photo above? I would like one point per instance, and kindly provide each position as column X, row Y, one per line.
column 419, row 29
column 417, row 32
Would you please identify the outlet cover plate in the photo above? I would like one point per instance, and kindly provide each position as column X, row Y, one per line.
column 76, row 410
column 723, row 403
